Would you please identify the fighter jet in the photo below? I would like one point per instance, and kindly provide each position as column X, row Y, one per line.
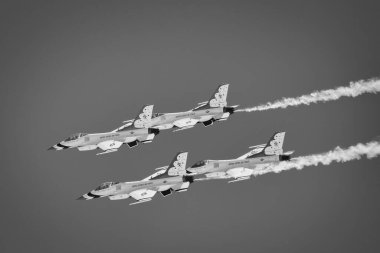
column 131, row 133
column 167, row 179
column 243, row 167
column 215, row 109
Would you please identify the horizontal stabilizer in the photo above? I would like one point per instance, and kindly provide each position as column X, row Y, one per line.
column 289, row 152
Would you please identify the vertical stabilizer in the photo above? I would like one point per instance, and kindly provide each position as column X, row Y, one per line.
column 144, row 117
column 273, row 147
column 219, row 98
column 178, row 165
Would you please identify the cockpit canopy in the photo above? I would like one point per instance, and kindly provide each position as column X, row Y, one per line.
column 105, row 185
column 74, row 136
column 199, row 164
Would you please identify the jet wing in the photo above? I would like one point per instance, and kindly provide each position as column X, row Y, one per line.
column 142, row 195
column 109, row 146
column 186, row 123
column 201, row 104
column 255, row 149
column 160, row 171
column 128, row 123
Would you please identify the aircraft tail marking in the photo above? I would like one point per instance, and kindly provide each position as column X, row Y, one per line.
column 273, row 147
column 144, row 117
column 178, row 165
column 219, row 98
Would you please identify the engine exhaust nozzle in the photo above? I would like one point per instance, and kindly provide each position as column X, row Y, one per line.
column 284, row 157
column 230, row 110
column 188, row 179
column 153, row 131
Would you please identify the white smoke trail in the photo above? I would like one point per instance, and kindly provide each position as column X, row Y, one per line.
column 370, row 150
column 353, row 90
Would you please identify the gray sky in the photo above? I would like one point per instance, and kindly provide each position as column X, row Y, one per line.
column 86, row 66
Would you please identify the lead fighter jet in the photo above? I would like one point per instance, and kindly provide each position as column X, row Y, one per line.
column 208, row 112
column 243, row 167
column 131, row 133
column 166, row 180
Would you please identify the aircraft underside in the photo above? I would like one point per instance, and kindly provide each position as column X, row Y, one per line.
column 187, row 123
column 236, row 173
column 145, row 195
column 109, row 146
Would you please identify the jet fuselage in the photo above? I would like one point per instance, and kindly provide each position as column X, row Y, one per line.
column 234, row 167
column 90, row 141
column 189, row 118
column 122, row 190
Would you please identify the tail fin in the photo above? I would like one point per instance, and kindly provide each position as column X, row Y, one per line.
column 219, row 98
column 273, row 147
column 178, row 165
column 144, row 117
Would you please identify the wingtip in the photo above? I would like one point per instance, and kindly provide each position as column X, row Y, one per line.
column 81, row 198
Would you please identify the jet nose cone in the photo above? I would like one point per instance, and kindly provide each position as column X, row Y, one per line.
column 58, row 146
column 81, row 198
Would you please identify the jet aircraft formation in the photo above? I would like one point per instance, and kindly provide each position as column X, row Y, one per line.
column 175, row 177
column 147, row 125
